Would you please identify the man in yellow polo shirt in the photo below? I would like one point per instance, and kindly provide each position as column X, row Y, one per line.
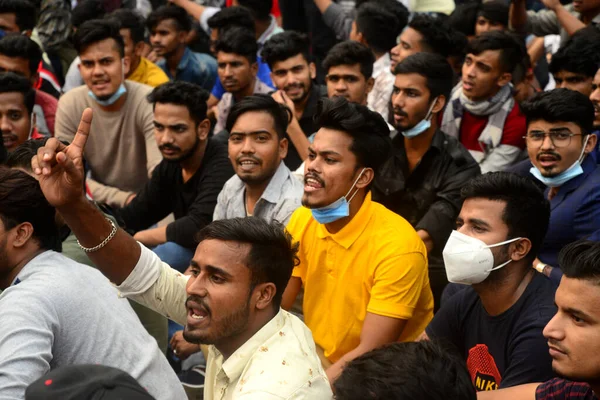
column 363, row 267
column 132, row 28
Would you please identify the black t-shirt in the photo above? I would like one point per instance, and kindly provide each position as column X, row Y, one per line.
column 504, row 350
column 193, row 202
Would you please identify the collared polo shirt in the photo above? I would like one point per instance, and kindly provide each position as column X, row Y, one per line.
column 148, row 73
column 377, row 263
column 281, row 198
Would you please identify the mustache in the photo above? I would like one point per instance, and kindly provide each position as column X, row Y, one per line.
column 294, row 86
column 399, row 111
column 168, row 147
column 552, row 342
column 199, row 301
column 315, row 177
column 549, row 153
column 253, row 158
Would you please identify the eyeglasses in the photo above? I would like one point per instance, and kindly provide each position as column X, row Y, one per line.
column 558, row 138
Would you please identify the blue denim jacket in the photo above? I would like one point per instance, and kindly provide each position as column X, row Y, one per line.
column 197, row 68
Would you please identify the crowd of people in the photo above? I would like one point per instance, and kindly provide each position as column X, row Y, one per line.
column 299, row 199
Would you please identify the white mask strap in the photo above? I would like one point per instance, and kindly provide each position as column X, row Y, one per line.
column 582, row 155
column 354, row 184
column 505, row 242
column 428, row 116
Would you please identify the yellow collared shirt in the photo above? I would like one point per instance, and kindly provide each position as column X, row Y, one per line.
column 148, row 73
column 377, row 263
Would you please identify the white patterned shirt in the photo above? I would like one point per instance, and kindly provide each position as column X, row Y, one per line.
column 380, row 96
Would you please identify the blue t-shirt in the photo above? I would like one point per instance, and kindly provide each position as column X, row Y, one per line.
column 503, row 350
column 264, row 74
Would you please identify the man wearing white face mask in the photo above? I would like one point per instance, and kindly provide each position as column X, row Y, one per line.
column 497, row 322
column 363, row 268
column 124, row 156
column 559, row 139
column 421, row 181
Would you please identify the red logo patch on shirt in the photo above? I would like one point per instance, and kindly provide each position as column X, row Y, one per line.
column 482, row 368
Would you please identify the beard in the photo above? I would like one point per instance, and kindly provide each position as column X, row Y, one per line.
column 184, row 156
column 231, row 325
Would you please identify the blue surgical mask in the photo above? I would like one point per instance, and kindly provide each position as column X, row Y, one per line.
column 336, row 210
column 422, row 126
column 112, row 99
column 565, row 176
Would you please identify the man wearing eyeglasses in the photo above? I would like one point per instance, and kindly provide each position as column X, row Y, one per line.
column 559, row 139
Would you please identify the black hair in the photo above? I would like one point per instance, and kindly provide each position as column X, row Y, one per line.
column 260, row 9
column 520, row 72
column 22, row 200
column 580, row 54
column 370, row 134
column 22, row 46
column 562, row 105
column 131, row 20
column 378, row 26
column 511, row 50
column 437, row 34
column 579, row 260
column 231, row 16
column 22, row 155
column 177, row 14
column 527, row 211
column 85, row 11
column 285, row 45
column 11, row 82
column 397, row 9
column 24, row 10
column 464, row 17
column 264, row 103
column 96, row 30
column 350, row 53
column 182, row 93
column 495, row 11
column 433, row 67
column 240, row 41
column 272, row 255
column 424, row 370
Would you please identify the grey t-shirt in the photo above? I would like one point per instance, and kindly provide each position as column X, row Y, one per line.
column 58, row 312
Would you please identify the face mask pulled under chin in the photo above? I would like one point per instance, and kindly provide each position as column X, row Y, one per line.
column 116, row 96
column 336, row 210
column 468, row 260
column 422, row 126
column 556, row 181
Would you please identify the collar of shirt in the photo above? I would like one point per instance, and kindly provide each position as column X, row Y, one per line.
column 185, row 59
column 271, row 30
column 235, row 364
column 383, row 64
column 272, row 192
column 140, row 70
column 352, row 231
column 316, row 92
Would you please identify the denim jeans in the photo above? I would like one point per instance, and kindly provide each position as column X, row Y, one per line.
column 178, row 257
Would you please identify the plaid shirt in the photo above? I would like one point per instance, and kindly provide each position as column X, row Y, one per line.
column 561, row 389
column 54, row 23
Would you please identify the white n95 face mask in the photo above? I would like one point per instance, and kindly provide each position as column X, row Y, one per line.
column 469, row 260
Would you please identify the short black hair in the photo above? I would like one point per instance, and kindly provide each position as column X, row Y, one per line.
column 176, row 13
column 464, row 17
column 96, row 30
column 370, row 134
column 131, row 20
column 240, row 41
column 495, row 11
column 580, row 54
column 433, row 67
column 350, row 53
column 264, row 103
column 562, row 105
column 526, row 212
column 424, row 370
column 378, row 26
column 260, row 9
column 511, row 50
column 231, row 16
column 273, row 253
column 22, row 46
column 437, row 34
column 24, row 10
column 22, row 155
column 11, row 82
column 398, row 9
column 579, row 260
column 22, row 200
column 285, row 45
column 523, row 66
column 85, row 11
column 182, row 93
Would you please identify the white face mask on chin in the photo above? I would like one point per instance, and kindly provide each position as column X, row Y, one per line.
column 469, row 260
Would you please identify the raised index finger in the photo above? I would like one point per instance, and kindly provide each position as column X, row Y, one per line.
column 83, row 131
